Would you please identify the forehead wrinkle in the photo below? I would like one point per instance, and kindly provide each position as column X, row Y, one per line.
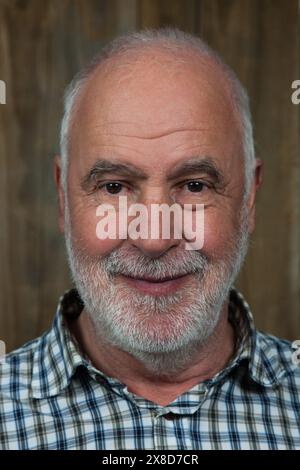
column 158, row 136
column 113, row 70
column 139, row 60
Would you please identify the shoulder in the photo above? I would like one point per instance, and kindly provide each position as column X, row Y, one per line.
column 281, row 357
column 18, row 407
column 16, row 371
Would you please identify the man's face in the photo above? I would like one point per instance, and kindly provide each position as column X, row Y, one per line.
column 155, row 114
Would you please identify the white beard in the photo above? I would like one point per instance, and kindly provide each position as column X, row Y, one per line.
column 164, row 333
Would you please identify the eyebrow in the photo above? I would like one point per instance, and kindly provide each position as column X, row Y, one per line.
column 196, row 164
column 101, row 167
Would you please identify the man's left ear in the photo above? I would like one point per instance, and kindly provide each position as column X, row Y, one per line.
column 256, row 183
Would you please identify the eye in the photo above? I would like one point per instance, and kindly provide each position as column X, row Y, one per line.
column 195, row 186
column 113, row 187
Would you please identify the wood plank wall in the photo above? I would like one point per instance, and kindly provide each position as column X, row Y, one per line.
column 43, row 43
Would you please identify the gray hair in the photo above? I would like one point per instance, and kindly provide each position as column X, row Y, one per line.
column 173, row 40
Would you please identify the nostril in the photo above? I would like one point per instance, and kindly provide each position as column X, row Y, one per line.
column 155, row 248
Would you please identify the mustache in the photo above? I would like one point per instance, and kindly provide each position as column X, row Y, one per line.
column 129, row 262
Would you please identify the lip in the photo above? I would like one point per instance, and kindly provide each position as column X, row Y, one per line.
column 156, row 287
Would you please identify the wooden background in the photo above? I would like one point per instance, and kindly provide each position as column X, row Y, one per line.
column 43, row 43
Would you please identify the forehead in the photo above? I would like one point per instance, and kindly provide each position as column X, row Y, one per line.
column 154, row 93
column 156, row 84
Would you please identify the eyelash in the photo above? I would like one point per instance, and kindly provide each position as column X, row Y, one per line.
column 205, row 184
column 100, row 186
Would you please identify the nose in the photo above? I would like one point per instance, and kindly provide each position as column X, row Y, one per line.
column 157, row 236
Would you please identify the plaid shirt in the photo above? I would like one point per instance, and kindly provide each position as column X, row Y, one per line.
column 51, row 397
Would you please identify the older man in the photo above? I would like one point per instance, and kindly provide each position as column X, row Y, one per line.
column 154, row 349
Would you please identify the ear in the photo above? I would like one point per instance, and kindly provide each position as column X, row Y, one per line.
column 60, row 192
column 257, row 182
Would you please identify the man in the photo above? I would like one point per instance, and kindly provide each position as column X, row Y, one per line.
column 154, row 349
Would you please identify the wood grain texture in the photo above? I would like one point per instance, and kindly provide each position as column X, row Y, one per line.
column 42, row 44
column 260, row 40
column 178, row 13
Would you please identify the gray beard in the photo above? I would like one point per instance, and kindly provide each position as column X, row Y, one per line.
column 164, row 333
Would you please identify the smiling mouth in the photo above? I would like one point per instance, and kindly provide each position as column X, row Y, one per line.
column 153, row 286
column 155, row 280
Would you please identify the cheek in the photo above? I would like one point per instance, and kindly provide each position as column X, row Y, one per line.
column 218, row 233
column 84, row 233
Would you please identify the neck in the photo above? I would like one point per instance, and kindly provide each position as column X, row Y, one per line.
column 208, row 360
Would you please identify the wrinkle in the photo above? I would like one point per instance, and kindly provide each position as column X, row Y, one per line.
column 158, row 136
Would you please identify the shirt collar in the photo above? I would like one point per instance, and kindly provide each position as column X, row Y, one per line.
column 265, row 366
column 57, row 355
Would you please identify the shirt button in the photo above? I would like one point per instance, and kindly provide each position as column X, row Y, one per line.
column 169, row 416
column 100, row 380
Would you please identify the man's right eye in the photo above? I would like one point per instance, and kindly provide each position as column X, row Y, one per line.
column 113, row 187
column 110, row 187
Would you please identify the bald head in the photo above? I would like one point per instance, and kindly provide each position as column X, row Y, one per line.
column 148, row 94
column 139, row 74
